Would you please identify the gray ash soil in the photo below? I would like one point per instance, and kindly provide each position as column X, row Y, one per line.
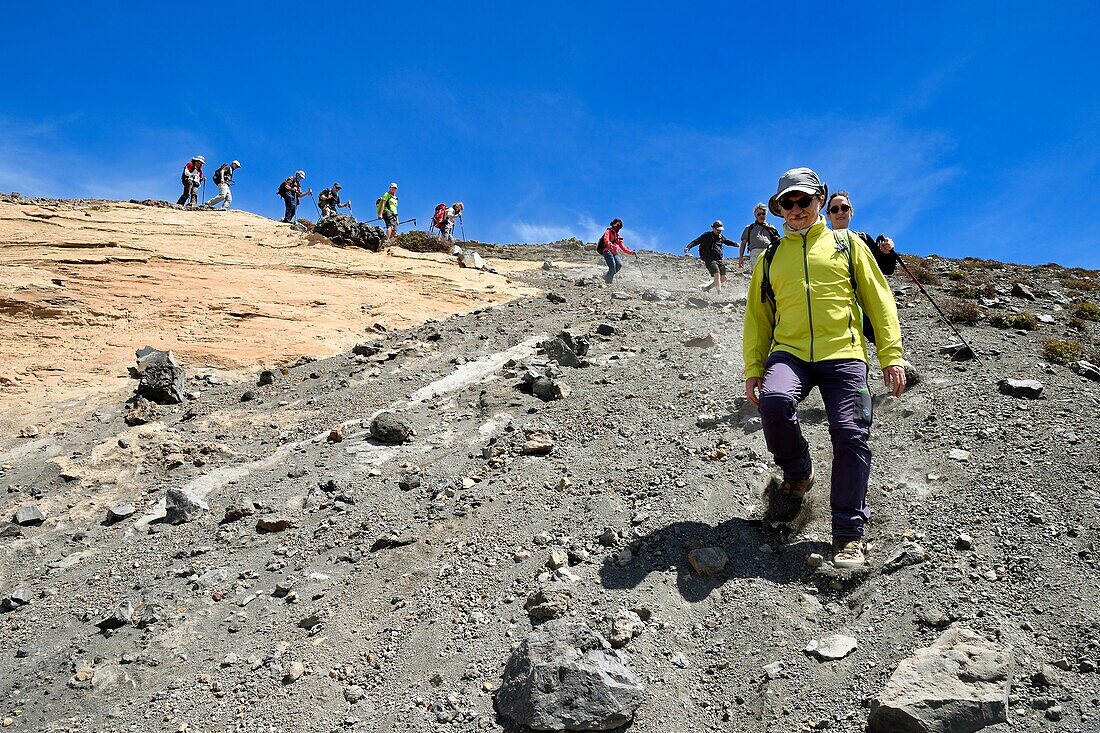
column 415, row 636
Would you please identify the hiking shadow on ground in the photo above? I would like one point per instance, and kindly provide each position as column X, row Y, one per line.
column 743, row 541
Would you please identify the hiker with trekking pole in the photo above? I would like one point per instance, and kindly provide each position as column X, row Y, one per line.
column 710, row 252
column 611, row 246
column 803, row 303
column 444, row 220
column 192, row 178
column 387, row 212
column 291, row 192
column 223, row 179
column 329, row 200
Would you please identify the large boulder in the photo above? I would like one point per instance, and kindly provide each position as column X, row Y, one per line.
column 345, row 230
column 162, row 377
column 389, row 427
column 960, row 684
column 565, row 676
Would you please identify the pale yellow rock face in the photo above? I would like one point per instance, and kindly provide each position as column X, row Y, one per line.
column 84, row 285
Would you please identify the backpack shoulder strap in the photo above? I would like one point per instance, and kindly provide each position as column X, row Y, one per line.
column 767, row 294
column 846, row 242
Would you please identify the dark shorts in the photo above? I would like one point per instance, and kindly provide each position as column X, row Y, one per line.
column 390, row 219
column 715, row 266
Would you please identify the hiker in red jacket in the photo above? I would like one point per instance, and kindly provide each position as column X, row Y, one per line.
column 611, row 246
column 192, row 178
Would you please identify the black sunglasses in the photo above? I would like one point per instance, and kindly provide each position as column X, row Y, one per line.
column 837, row 208
column 802, row 203
column 760, row 213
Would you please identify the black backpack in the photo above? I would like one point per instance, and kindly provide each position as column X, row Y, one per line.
column 286, row 187
column 219, row 175
column 602, row 244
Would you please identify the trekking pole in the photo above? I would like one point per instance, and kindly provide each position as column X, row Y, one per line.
column 204, row 192
column 377, row 218
column 315, row 204
column 946, row 320
column 462, row 227
column 413, row 220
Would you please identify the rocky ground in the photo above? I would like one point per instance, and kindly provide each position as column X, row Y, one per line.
column 316, row 576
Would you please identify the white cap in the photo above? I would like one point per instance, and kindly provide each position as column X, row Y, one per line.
column 300, row 174
column 200, row 159
column 236, row 164
column 393, row 185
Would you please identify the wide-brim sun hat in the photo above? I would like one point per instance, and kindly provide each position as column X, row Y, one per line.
column 717, row 224
column 802, row 180
column 236, row 164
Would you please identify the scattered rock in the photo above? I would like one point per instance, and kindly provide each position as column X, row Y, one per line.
column 555, row 297
column 162, row 378
column 29, row 431
column 537, row 443
column 296, row 669
column 702, row 342
column 774, row 670
column 961, row 683
column 1022, row 291
column 390, row 541
column 656, row 295
column 548, row 603
column 141, row 411
column 958, row 454
column 548, row 390
column 16, row 599
column 248, row 396
column 336, row 435
column 832, row 647
column 120, row 512
column 389, row 427
column 1030, row 389
column 904, row 555
column 122, row 615
column 1086, row 370
column 964, row 542
column 606, row 329
column 266, row 377
column 273, row 523
column 28, row 515
column 347, row 231
column 564, row 676
column 559, row 558
column 624, row 627
column 354, row 693
column 235, row 513
column 814, row 560
column 182, row 505
column 707, row 561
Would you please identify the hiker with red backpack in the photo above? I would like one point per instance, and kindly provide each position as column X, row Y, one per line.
column 192, row 178
column 444, row 219
column 291, row 192
column 611, row 246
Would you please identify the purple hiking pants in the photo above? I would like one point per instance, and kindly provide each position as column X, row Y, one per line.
column 843, row 386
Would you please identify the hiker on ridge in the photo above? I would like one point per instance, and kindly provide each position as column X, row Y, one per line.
column 223, row 179
column 710, row 252
column 611, row 246
column 291, row 191
column 447, row 226
column 329, row 201
column 840, row 216
column 799, row 334
column 192, row 178
column 756, row 237
column 387, row 212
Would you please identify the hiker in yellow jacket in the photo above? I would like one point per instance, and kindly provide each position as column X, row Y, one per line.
column 803, row 329
column 387, row 211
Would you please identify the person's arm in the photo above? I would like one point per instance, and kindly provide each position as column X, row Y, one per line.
column 756, row 340
column 878, row 303
column 885, row 255
column 744, row 243
column 693, row 244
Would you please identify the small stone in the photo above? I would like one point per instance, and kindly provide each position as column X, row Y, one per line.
column 964, row 542
column 293, row 673
column 183, row 505
column 1063, row 664
column 774, row 670
column 389, row 427
column 707, row 561
column 16, row 599
column 832, row 647
column 538, row 443
column 248, row 396
column 555, row 297
column 28, row 515
column 558, row 559
column 548, row 603
column 605, row 329
column 815, row 560
column 548, row 390
column 904, row 555
column 29, row 431
column 958, row 454
column 266, row 377
column 354, row 693
column 273, row 523
column 120, row 512
column 1029, row 389
column 122, row 615
column 336, row 435
column 1022, row 291
column 624, row 627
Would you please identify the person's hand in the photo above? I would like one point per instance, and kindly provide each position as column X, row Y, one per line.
column 687, row 250
column 753, row 385
column 741, row 263
column 886, row 245
column 893, row 377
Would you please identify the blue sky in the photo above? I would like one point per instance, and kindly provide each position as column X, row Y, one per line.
column 959, row 128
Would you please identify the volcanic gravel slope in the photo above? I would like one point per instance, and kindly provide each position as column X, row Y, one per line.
column 318, row 626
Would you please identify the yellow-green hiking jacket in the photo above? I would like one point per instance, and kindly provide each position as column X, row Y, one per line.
column 816, row 316
column 387, row 204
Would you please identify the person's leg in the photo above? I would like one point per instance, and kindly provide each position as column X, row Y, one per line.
column 182, row 200
column 722, row 273
column 843, row 385
column 618, row 264
column 787, row 381
column 288, row 202
column 223, row 192
column 228, row 195
column 754, row 255
column 609, row 259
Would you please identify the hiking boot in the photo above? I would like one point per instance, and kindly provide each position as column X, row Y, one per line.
column 849, row 552
column 785, row 501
